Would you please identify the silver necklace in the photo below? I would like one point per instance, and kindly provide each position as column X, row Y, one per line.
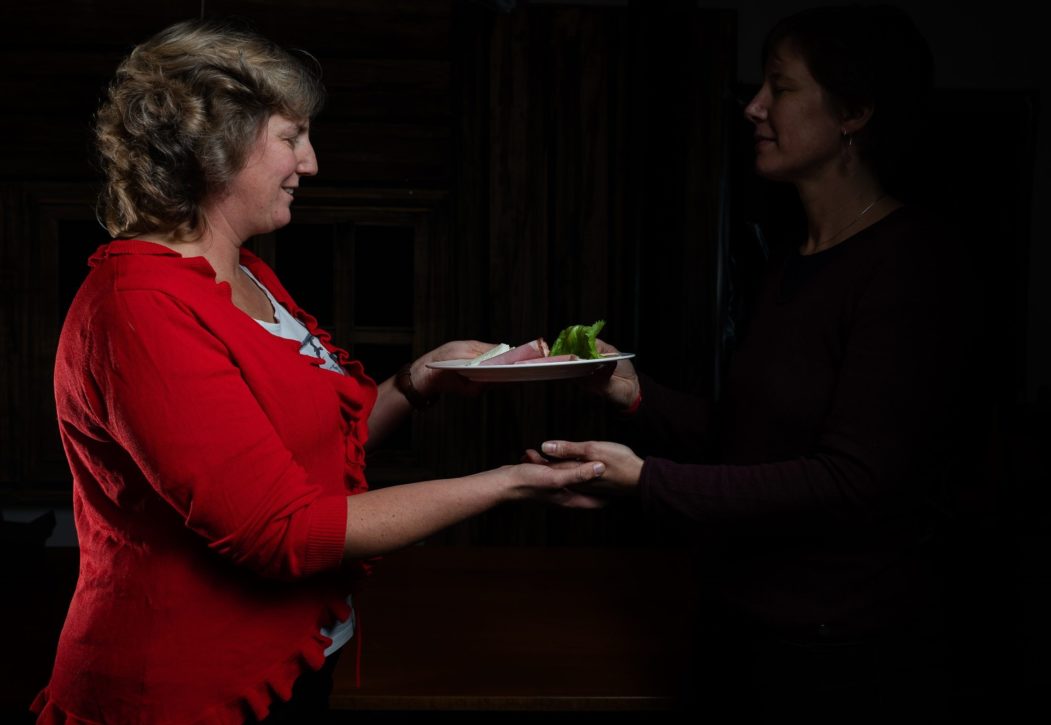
column 852, row 222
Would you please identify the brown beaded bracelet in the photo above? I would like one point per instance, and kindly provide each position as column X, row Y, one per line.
column 403, row 382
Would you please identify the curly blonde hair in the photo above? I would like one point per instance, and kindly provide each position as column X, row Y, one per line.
column 181, row 116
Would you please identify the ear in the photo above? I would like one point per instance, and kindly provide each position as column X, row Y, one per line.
column 854, row 119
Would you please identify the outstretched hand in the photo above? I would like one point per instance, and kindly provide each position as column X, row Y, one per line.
column 559, row 484
column 622, row 467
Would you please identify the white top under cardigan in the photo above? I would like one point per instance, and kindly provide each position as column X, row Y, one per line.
column 290, row 328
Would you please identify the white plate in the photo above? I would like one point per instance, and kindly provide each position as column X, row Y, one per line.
column 523, row 372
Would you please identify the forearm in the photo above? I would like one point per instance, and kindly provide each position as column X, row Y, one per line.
column 417, row 386
column 391, row 518
column 830, row 488
column 388, row 519
column 670, row 423
column 390, row 410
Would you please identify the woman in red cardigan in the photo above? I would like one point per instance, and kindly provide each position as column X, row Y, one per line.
column 216, row 436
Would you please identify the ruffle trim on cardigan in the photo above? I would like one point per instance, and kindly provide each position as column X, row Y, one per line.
column 356, row 390
column 275, row 684
column 357, row 394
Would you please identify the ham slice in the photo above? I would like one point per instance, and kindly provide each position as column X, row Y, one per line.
column 548, row 359
column 535, row 349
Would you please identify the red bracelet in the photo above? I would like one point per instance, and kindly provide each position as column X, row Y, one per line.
column 633, row 408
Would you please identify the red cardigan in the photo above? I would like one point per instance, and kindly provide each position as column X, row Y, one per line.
column 211, row 463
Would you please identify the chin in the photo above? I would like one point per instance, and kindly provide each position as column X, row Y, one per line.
column 280, row 220
column 771, row 173
column 764, row 172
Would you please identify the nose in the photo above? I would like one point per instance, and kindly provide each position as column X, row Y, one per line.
column 755, row 111
column 307, row 163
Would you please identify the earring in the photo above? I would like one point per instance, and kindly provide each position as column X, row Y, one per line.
column 849, row 137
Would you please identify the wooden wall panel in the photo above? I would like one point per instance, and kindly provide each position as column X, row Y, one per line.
column 677, row 178
column 87, row 25
column 388, row 90
column 350, row 28
column 32, row 223
column 57, row 60
column 382, row 154
column 386, row 66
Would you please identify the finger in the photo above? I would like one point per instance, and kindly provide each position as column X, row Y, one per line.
column 477, row 348
column 576, row 500
column 567, row 466
column 572, row 474
column 471, row 348
column 604, row 370
column 564, row 449
column 597, row 487
column 532, row 456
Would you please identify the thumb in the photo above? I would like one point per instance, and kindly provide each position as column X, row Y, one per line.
column 564, row 449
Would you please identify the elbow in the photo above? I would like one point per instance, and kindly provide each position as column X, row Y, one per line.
column 293, row 547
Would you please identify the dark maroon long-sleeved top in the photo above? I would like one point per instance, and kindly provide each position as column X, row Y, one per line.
column 836, row 435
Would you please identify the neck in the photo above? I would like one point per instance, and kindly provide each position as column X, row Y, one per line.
column 216, row 244
column 840, row 208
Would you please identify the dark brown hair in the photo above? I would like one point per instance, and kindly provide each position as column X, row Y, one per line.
column 865, row 56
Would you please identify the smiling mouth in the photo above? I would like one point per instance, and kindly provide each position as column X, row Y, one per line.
column 290, row 190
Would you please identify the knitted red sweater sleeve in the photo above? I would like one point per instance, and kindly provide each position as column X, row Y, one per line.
column 174, row 399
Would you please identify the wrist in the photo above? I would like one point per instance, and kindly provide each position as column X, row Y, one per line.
column 630, row 402
column 513, row 489
column 403, row 382
column 633, row 407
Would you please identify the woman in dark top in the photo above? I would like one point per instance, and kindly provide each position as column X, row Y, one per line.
column 817, row 518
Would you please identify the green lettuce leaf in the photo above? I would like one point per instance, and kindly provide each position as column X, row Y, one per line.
column 578, row 340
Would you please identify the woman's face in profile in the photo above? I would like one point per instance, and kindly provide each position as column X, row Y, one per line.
column 259, row 198
column 797, row 131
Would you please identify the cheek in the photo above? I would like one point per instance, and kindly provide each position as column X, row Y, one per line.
column 806, row 130
column 821, row 122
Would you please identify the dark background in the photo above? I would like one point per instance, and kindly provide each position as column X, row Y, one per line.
column 501, row 172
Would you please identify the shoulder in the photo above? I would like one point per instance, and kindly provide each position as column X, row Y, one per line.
column 135, row 285
column 132, row 265
column 908, row 247
column 911, row 232
column 914, row 259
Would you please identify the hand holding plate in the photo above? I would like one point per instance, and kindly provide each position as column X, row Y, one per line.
column 617, row 382
column 432, row 381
